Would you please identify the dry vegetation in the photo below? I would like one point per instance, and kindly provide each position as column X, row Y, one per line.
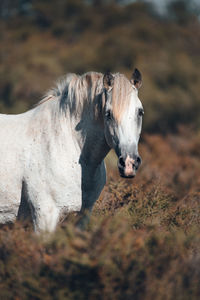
column 143, row 241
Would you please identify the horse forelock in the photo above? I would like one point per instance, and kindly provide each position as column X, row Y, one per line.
column 121, row 96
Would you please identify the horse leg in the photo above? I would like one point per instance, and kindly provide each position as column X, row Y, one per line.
column 84, row 219
column 92, row 186
column 9, row 203
column 45, row 215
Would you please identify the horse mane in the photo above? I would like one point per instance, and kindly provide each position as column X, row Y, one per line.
column 78, row 91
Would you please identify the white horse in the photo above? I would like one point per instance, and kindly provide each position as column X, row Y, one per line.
column 52, row 157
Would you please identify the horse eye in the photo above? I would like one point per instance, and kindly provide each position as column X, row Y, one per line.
column 140, row 112
column 108, row 115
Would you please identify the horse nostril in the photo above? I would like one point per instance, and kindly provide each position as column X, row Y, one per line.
column 121, row 161
column 138, row 159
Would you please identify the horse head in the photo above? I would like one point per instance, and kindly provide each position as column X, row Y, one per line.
column 122, row 114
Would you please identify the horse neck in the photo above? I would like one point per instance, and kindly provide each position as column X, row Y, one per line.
column 94, row 148
column 91, row 139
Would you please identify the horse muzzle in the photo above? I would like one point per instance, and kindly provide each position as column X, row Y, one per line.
column 128, row 166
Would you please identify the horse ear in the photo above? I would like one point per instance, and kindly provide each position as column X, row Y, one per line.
column 108, row 81
column 136, row 79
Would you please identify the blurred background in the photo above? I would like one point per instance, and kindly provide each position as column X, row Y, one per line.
column 41, row 40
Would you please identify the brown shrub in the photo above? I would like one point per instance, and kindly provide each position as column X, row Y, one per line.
column 142, row 242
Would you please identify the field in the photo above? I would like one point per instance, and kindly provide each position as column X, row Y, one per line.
column 143, row 240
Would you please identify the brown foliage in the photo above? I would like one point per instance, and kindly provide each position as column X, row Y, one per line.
column 72, row 36
column 142, row 242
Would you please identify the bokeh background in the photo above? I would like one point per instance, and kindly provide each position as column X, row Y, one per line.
column 143, row 240
column 42, row 40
